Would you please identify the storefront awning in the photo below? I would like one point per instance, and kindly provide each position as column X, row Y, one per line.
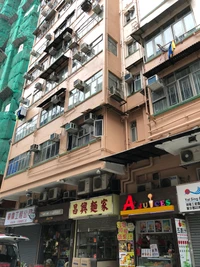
column 146, row 151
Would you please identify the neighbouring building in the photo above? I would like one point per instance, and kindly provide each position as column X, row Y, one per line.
column 112, row 95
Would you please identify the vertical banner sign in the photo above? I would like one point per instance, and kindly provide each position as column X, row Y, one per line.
column 183, row 243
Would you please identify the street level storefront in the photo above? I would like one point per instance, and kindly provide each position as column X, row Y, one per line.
column 22, row 222
column 57, row 235
column 96, row 240
column 189, row 204
column 149, row 231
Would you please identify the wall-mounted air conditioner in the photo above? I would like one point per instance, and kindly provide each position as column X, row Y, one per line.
column 48, row 37
column 44, row 12
column 116, row 93
column 96, row 8
column 54, row 137
column 50, row 4
column 35, row 148
column 38, row 86
column 79, row 84
column 52, row 51
column 39, row 66
column 85, row 48
column 84, row 186
column 71, row 127
column 77, row 55
column 190, row 155
column 73, row 43
column 28, row 76
column 69, row 195
column 34, row 53
column 54, row 193
column 169, row 181
column 24, row 101
column 55, row 99
column 144, row 187
column 86, row 5
column 89, row 118
column 154, row 83
column 43, row 197
column 128, row 78
column 54, row 77
column 44, row 26
column 101, row 182
column 67, row 36
column 31, row 202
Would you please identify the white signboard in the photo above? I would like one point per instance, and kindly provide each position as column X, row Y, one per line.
column 189, row 197
column 22, row 216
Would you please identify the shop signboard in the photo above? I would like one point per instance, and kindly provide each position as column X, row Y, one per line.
column 189, row 197
column 103, row 205
column 183, row 243
column 20, row 217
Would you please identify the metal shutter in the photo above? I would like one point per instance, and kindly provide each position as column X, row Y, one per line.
column 105, row 223
column 194, row 228
column 29, row 250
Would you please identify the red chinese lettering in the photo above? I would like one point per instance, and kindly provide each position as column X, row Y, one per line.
column 13, row 216
column 25, row 214
column 75, row 210
column 20, row 214
column 9, row 216
column 104, row 204
column 84, row 207
column 93, row 206
column 16, row 214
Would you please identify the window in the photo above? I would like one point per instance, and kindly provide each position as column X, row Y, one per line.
column 113, row 81
column 130, row 15
column 37, row 95
column 112, row 45
column 132, row 48
column 86, row 134
column 48, row 150
column 93, row 85
column 53, row 111
column 178, row 87
column 19, row 163
column 135, row 85
column 177, row 31
column 133, row 131
column 26, row 128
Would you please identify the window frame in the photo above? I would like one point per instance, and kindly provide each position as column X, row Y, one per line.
column 133, row 127
column 112, row 46
column 19, row 163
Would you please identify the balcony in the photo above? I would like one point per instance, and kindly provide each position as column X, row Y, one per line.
column 133, row 60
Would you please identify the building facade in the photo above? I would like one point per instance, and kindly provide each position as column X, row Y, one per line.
column 113, row 93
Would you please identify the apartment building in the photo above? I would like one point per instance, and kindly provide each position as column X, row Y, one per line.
column 111, row 95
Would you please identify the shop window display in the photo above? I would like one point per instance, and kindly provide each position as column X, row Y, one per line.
column 56, row 245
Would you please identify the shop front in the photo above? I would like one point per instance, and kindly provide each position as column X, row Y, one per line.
column 96, row 238
column 149, row 229
column 22, row 222
column 57, row 235
column 189, row 205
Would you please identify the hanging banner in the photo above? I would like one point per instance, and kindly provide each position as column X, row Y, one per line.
column 183, row 243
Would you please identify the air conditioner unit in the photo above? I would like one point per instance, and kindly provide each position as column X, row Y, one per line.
column 86, row 5
column 35, row 148
column 48, row 37
column 85, row 48
column 43, row 197
column 38, row 86
column 52, row 51
column 54, row 137
column 89, row 118
column 128, row 78
column 68, row 1
column 190, row 155
column 78, row 84
column 24, row 101
column 34, row 53
column 38, row 66
column 84, row 186
column 154, row 83
column 100, row 182
column 30, row 202
column 28, row 76
column 169, row 181
column 116, row 94
column 44, row 26
column 71, row 127
column 67, row 36
column 73, row 43
column 144, row 187
column 53, row 77
column 44, row 12
column 77, row 55
column 70, row 194
column 96, row 8
column 54, row 193
column 50, row 4
column 55, row 99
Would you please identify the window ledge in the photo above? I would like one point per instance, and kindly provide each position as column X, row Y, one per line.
column 15, row 142
column 16, row 173
column 126, row 23
column 44, row 161
column 132, row 53
column 134, row 93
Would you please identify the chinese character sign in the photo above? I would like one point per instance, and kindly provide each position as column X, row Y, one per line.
column 21, row 216
column 95, row 206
